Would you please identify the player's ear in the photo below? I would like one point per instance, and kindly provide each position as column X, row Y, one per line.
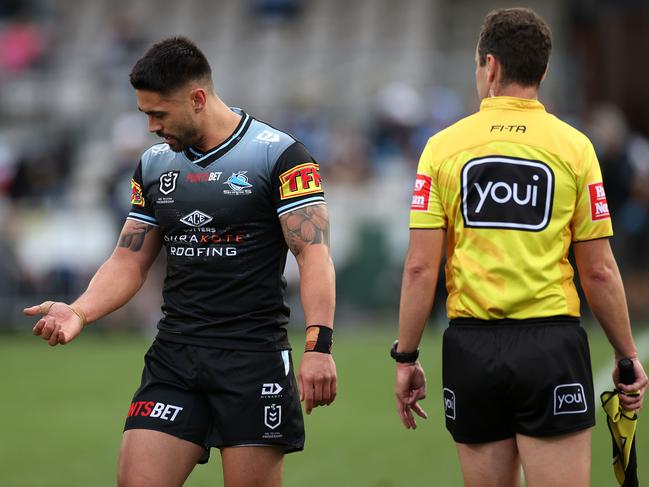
column 198, row 99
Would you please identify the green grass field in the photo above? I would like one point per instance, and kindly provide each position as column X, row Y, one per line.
column 62, row 411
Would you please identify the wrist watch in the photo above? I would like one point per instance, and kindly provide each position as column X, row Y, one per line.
column 403, row 357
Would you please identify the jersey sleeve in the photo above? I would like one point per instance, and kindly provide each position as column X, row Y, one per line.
column 426, row 210
column 591, row 219
column 141, row 209
column 296, row 180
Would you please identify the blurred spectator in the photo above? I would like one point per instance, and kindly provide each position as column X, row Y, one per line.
column 21, row 45
column 624, row 159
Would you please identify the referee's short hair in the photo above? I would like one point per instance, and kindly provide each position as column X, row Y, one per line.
column 169, row 65
column 521, row 40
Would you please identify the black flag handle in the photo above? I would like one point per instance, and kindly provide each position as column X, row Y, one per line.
column 627, row 375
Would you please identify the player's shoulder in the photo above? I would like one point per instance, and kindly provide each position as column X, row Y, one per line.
column 274, row 140
column 156, row 152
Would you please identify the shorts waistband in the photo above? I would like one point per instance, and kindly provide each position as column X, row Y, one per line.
column 546, row 320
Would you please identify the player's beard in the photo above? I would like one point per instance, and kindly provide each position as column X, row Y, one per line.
column 184, row 138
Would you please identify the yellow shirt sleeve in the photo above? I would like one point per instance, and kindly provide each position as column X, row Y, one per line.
column 591, row 219
column 426, row 210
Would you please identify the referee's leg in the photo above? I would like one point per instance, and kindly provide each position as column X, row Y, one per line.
column 150, row 458
column 492, row 464
column 253, row 466
column 558, row 460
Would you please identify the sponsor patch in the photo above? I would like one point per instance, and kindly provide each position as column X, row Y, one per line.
column 196, row 219
column 421, row 193
column 449, row 403
column 503, row 192
column 167, row 412
column 267, row 137
column 598, row 204
column 136, row 194
column 271, row 389
column 300, row 180
column 569, row 399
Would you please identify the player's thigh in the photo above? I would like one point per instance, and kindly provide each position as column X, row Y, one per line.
column 253, row 466
column 150, row 458
column 558, row 460
column 493, row 464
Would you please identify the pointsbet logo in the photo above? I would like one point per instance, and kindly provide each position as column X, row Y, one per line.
column 151, row 409
column 504, row 192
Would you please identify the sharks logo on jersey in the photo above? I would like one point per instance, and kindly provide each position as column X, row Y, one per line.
column 238, row 183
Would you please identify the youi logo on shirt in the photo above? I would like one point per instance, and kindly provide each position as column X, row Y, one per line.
column 503, row 192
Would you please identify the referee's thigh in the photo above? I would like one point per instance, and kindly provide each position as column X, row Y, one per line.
column 559, row 461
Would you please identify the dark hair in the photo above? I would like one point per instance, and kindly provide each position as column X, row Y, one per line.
column 169, row 65
column 520, row 40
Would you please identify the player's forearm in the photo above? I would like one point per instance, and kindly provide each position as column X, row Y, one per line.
column 317, row 285
column 114, row 284
column 417, row 294
column 605, row 294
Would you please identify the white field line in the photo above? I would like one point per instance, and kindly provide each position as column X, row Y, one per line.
column 604, row 381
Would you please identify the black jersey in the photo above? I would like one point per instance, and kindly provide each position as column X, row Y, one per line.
column 218, row 216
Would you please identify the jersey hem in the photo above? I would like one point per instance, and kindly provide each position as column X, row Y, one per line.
column 225, row 344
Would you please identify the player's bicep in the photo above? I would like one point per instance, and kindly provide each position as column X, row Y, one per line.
column 305, row 226
column 139, row 243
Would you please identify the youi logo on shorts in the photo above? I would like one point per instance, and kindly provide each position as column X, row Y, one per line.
column 449, row 403
column 504, row 192
column 569, row 399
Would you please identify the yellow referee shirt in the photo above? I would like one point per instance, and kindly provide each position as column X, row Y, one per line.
column 513, row 186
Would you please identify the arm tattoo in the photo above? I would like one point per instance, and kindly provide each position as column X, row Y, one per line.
column 305, row 226
column 133, row 238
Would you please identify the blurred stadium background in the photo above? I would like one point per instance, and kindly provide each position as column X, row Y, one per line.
column 363, row 84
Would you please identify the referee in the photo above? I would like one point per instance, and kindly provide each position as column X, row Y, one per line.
column 226, row 195
column 508, row 191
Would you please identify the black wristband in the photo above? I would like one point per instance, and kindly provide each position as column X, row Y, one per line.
column 319, row 338
column 403, row 357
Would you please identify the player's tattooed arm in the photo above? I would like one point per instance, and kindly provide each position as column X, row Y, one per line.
column 305, row 226
column 132, row 236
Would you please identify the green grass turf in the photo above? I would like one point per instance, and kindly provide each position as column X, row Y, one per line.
column 62, row 411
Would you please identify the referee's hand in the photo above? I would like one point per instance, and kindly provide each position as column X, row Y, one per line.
column 409, row 388
column 317, row 380
column 59, row 324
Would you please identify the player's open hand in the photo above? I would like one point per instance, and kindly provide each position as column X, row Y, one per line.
column 317, row 380
column 409, row 388
column 59, row 323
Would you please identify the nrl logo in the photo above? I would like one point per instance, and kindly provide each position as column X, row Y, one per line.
column 273, row 416
column 168, row 181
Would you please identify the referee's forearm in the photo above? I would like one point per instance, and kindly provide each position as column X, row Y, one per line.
column 417, row 295
column 606, row 298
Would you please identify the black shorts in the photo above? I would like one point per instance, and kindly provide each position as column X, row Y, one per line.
column 219, row 398
column 505, row 377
